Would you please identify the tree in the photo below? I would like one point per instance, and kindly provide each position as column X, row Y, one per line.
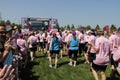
column 68, row 27
column 8, row 22
column 97, row 27
column 65, row 27
column 119, row 29
column 113, row 27
column 88, row 27
column 13, row 24
column 62, row 28
column 2, row 22
column 72, row 27
column 104, row 28
column 19, row 26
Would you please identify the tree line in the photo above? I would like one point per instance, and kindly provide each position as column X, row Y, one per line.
column 8, row 22
column 88, row 27
column 66, row 27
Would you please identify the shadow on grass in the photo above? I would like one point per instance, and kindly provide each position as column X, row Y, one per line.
column 114, row 78
column 42, row 56
column 80, row 61
column 64, row 55
column 27, row 73
column 63, row 63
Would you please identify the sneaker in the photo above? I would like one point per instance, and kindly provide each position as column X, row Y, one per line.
column 85, row 62
column 70, row 64
column 55, row 67
column 74, row 65
column 50, row 66
column 32, row 59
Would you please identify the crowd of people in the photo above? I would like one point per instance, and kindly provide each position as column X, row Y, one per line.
column 99, row 49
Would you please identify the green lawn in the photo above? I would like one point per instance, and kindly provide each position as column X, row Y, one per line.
column 39, row 70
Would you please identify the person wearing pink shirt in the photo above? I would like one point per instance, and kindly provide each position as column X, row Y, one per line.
column 102, row 48
column 41, row 40
column 45, row 35
column 82, row 43
column 32, row 42
column 22, row 43
column 91, row 52
column 86, row 40
column 116, row 58
column 48, row 43
column 67, row 37
column 37, row 36
column 113, row 39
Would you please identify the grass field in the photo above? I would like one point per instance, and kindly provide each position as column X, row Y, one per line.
column 39, row 70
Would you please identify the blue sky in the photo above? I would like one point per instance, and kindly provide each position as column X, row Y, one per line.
column 77, row 12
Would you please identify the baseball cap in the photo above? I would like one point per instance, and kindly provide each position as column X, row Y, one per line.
column 89, row 31
column 54, row 34
column 73, row 33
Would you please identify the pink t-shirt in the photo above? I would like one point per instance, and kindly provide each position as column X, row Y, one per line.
column 77, row 33
column 67, row 38
column 37, row 35
column 86, row 38
column 23, row 45
column 116, row 56
column 102, row 56
column 92, row 40
column 118, row 41
column 49, row 38
column 113, row 39
column 31, row 39
column 64, row 36
column 81, row 38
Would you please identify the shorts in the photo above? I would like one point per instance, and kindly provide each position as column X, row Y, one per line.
column 99, row 67
column 81, row 47
column 85, row 47
column 91, row 56
column 41, row 44
column 115, row 64
column 73, row 52
column 44, row 44
column 33, row 49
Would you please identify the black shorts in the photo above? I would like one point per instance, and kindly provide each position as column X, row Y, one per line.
column 41, row 44
column 73, row 52
column 85, row 47
column 44, row 44
column 114, row 63
column 99, row 67
column 81, row 47
column 54, row 51
column 33, row 49
column 91, row 56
